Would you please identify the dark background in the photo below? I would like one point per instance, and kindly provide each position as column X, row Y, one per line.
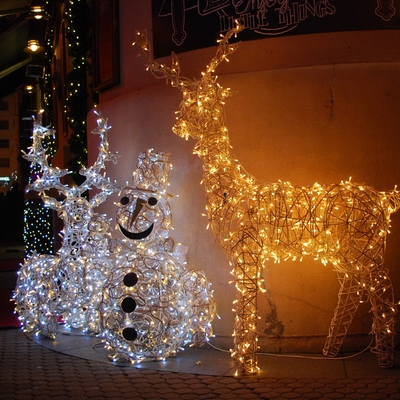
column 202, row 19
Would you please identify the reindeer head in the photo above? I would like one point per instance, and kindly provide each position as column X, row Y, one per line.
column 201, row 110
column 143, row 211
column 49, row 177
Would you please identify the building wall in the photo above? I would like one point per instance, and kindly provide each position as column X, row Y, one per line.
column 9, row 133
column 313, row 108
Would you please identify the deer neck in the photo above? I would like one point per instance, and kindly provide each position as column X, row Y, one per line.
column 224, row 178
column 214, row 150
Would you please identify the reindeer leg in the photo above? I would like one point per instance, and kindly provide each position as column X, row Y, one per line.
column 247, row 267
column 348, row 301
column 384, row 310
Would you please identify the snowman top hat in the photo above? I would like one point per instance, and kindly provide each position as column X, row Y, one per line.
column 152, row 171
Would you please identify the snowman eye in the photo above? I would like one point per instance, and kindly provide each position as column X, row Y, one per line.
column 124, row 201
column 152, row 201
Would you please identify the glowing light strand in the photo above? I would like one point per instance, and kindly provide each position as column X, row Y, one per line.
column 38, row 228
column 344, row 224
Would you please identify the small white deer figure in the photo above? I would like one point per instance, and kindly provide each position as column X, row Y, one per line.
column 70, row 283
column 345, row 224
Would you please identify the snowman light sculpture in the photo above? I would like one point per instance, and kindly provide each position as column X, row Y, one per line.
column 152, row 305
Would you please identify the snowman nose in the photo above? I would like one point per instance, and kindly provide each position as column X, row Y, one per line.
column 139, row 206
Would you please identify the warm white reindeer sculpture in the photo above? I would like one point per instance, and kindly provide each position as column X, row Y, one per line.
column 345, row 224
column 70, row 283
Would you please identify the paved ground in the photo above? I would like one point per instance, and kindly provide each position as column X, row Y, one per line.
column 31, row 371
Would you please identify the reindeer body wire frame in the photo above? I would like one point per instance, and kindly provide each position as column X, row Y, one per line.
column 344, row 224
column 69, row 284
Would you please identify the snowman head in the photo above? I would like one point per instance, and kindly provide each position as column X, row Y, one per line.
column 143, row 209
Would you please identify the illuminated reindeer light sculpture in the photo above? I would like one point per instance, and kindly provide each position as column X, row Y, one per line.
column 345, row 224
column 70, row 283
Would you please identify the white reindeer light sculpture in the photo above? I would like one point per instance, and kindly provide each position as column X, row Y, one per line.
column 345, row 224
column 70, row 283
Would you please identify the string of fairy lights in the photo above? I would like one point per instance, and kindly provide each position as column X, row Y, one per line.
column 76, row 106
column 344, row 224
column 38, row 218
column 38, row 228
column 38, row 225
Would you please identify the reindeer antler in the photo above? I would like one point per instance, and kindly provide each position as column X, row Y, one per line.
column 50, row 176
column 173, row 73
column 92, row 174
column 160, row 70
column 195, row 92
column 225, row 48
